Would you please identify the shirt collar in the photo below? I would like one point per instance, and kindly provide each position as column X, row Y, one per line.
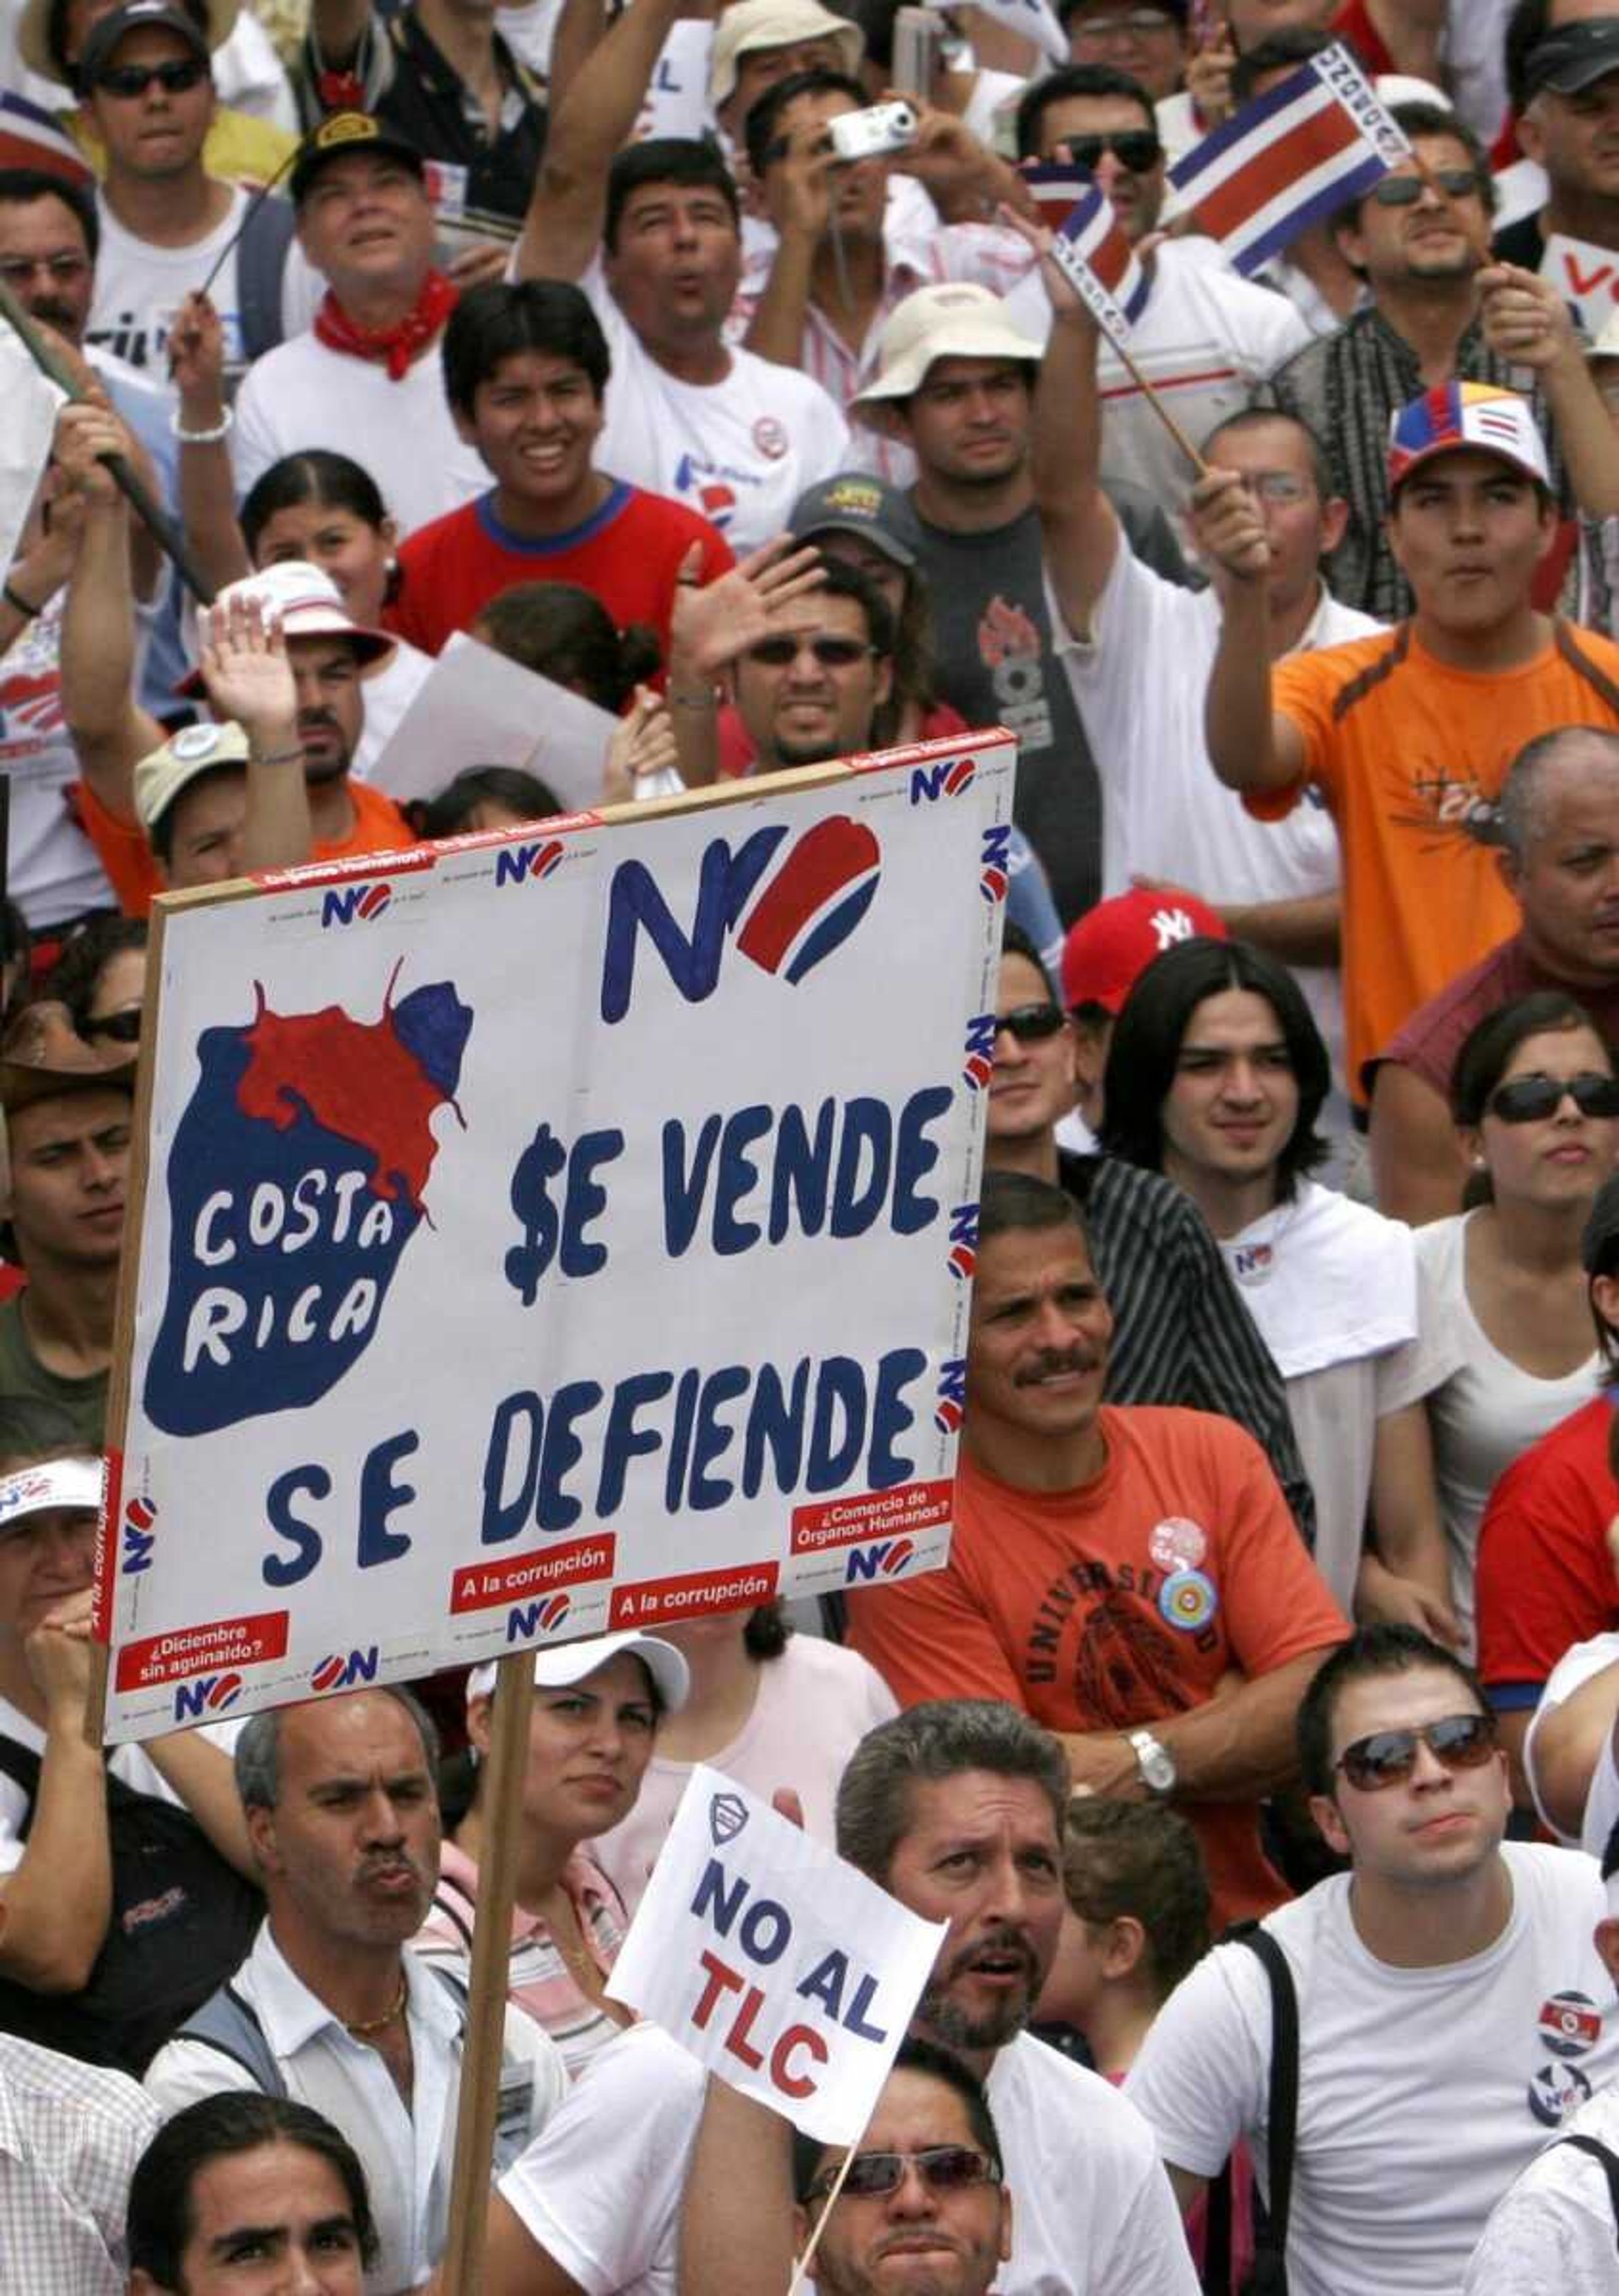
column 293, row 2016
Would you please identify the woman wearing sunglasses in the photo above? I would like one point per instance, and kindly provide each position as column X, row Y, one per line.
column 1503, row 1290
column 101, row 977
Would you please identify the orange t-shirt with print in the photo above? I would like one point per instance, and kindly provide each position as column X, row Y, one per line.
column 1123, row 1603
column 1411, row 764
column 132, row 871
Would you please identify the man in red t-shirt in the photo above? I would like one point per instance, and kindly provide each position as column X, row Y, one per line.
column 1131, row 1578
column 525, row 372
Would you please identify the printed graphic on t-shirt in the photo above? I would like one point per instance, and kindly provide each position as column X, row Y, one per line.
column 1450, row 798
column 1119, row 1635
column 31, row 723
column 1010, row 647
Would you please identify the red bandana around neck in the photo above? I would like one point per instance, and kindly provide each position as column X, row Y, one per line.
column 395, row 346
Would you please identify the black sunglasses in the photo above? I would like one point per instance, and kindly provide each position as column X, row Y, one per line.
column 831, row 653
column 120, row 1028
column 174, row 77
column 942, row 2168
column 1137, row 149
column 1405, row 191
column 1030, row 1024
column 1461, row 1741
column 1525, row 1100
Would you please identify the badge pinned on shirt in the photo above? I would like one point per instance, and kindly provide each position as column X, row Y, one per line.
column 770, row 438
column 1556, row 2091
column 1177, row 1544
column 1188, row 1601
column 1252, row 1263
column 1570, row 2024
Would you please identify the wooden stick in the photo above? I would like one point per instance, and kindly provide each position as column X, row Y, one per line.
column 801, row 2270
column 462, row 2273
column 1133, row 369
column 166, row 531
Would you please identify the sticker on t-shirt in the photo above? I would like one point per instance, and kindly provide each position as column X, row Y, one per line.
column 1188, row 1601
column 446, row 183
column 770, row 438
column 1570, row 2024
column 1177, row 1544
column 1556, row 2091
column 1252, row 1263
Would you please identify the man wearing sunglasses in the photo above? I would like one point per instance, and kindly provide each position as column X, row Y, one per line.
column 1567, row 98
column 165, row 221
column 1453, row 2007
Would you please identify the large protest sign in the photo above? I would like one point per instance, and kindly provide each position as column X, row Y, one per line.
column 551, row 1230
column 1586, row 276
column 776, row 1964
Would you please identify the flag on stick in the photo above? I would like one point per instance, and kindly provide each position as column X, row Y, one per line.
column 30, row 138
column 1101, row 264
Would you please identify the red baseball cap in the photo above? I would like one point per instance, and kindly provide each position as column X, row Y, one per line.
column 1114, row 942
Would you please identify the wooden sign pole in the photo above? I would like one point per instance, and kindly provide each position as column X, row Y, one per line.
column 461, row 2273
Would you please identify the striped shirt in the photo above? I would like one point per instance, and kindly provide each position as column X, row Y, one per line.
column 70, row 2135
column 1181, row 1334
column 540, row 1980
column 978, row 253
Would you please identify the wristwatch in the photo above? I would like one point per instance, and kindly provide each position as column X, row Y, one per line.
column 1155, row 1763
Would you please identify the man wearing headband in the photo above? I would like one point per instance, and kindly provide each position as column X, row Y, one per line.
column 1452, row 2009
column 119, row 1910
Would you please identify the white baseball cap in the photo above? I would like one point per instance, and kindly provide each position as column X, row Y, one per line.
column 308, row 605
column 957, row 320
column 562, row 1663
column 73, row 1483
column 754, row 24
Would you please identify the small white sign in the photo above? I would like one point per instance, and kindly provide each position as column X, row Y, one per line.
column 1586, row 276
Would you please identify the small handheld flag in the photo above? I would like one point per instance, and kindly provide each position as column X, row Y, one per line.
column 1101, row 264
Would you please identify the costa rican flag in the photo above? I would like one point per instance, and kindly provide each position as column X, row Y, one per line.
column 32, row 138
column 1100, row 264
column 1290, row 157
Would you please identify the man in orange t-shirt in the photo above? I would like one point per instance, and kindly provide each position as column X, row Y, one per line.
column 1131, row 1578
column 1408, row 735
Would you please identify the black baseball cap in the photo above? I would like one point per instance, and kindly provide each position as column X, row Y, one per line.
column 1573, row 57
column 854, row 504
column 344, row 133
column 136, row 16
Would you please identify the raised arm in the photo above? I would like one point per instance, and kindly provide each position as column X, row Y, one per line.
column 110, row 732
column 245, row 669
column 1252, row 747
column 1079, row 525
column 55, row 1904
column 796, row 187
column 736, row 2218
column 208, row 486
column 713, row 623
column 1525, row 320
column 564, row 224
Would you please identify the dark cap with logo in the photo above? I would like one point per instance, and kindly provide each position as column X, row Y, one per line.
column 137, row 16
column 344, row 133
column 854, row 504
column 1573, row 57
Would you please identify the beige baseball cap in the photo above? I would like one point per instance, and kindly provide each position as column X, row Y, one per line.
column 753, row 24
column 955, row 321
column 159, row 777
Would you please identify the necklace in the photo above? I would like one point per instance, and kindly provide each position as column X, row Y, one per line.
column 362, row 2030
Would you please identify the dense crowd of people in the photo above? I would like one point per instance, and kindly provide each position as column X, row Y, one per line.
column 1258, row 1745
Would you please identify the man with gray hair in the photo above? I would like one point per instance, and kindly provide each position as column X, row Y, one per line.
column 1558, row 825
column 956, row 1808
column 330, row 2008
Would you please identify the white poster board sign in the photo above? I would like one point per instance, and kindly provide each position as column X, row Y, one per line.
column 1587, row 278
column 774, row 1963
column 555, row 1229
column 476, row 706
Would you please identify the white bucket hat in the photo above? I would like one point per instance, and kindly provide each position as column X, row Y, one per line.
column 753, row 24
column 957, row 321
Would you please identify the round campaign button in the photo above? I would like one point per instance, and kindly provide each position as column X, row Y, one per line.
column 1177, row 1544
column 1187, row 1600
column 1569, row 2024
column 1556, row 2091
column 194, row 742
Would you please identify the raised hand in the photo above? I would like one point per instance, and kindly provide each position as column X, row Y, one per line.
column 246, row 671
column 765, row 592
column 1525, row 318
column 1229, row 529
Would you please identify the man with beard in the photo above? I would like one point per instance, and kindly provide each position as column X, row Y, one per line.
column 1129, row 1577
column 330, row 2009
column 956, row 1808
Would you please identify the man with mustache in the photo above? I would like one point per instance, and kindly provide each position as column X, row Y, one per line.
column 330, row 2008
column 1129, row 1577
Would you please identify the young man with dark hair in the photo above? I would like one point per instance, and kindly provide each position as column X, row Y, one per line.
column 238, row 2176
column 1432, row 1979
column 1131, row 1578
column 652, row 231
column 525, row 373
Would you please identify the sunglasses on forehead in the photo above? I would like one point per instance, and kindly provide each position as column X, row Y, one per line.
column 1460, row 1742
column 942, row 2168
column 1525, row 1100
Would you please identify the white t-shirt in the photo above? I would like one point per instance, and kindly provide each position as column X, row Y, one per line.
column 1205, row 338
column 813, row 1706
column 1577, row 1666
column 388, row 693
column 1332, row 1285
column 126, row 1763
column 408, row 2152
column 739, row 452
column 140, row 287
column 1422, row 2091
column 302, row 394
column 1165, row 812
column 1092, row 2211
column 1554, row 2234
column 1486, row 1411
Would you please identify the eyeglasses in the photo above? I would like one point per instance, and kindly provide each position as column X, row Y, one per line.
column 1030, row 1024
column 118, row 1028
column 1139, row 24
column 1461, row 1741
column 1274, row 486
column 175, row 77
column 1138, row 149
column 17, row 270
column 1525, row 1100
column 943, row 2168
column 1405, row 191
column 831, row 653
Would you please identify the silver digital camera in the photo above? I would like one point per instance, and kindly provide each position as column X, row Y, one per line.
column 868, row 135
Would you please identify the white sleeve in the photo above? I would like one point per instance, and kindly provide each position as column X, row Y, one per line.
column 527, row 2040
column 254, row 445
column 1543, row 2238
column 599, row 2190
column 1148, row 2256
column 303, row 289
column 1202, row 2077
column 1575, row 1668
column 181, row 2072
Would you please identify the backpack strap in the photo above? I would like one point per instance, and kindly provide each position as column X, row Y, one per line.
column 1574, row 654
column 224, row 2022
column 1608, row 2161
column 1282, row 2108
column 261, row 262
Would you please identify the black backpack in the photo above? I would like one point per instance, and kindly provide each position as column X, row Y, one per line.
column 182, row 1920
column 1268, row 2276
